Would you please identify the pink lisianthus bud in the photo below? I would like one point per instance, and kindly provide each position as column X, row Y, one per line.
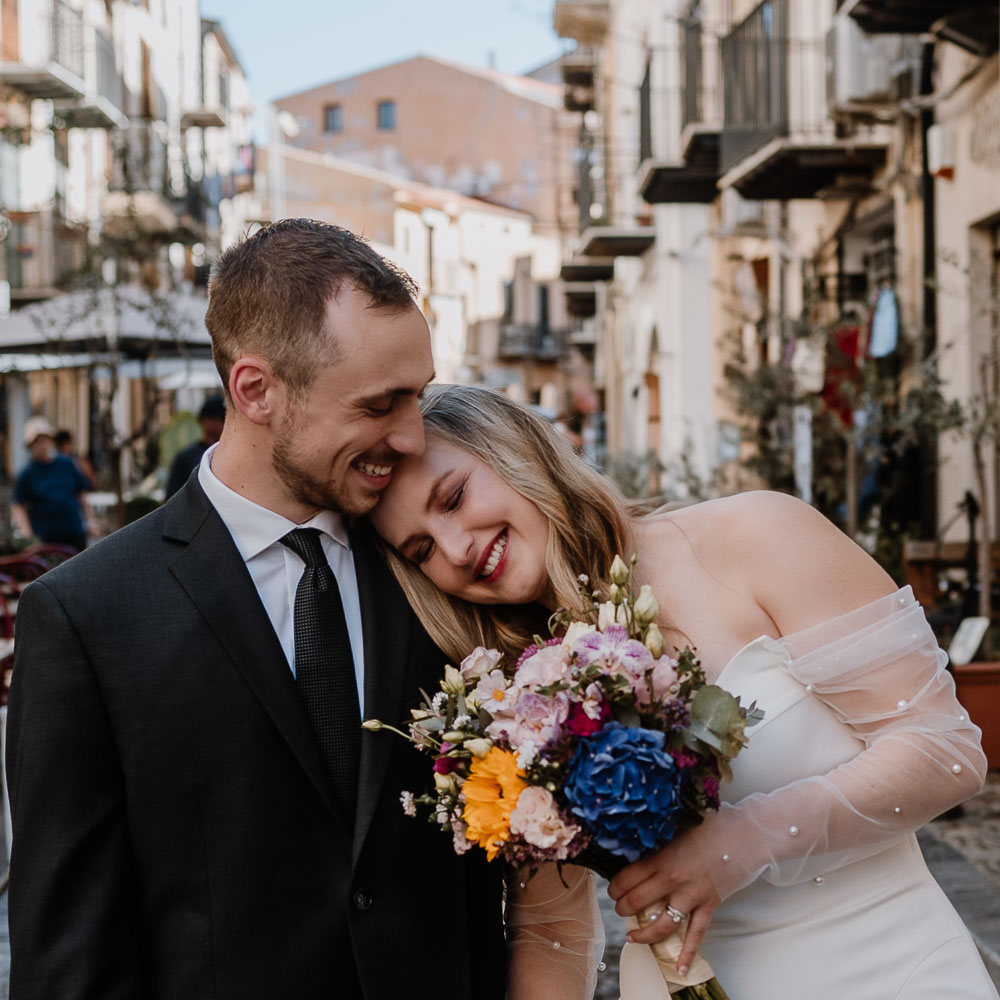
column 581, row 724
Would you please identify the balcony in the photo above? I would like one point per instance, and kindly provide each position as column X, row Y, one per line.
column 583, row 269
column 41, row 252
column 777, row 139
column 528, row 342
column 101, row 104
column 971, row 24
column 49, row 62
column 694, row 179
column 578, row 68
column 616, row 241
column 141, row 201
column 586, row 21
column 581, row 299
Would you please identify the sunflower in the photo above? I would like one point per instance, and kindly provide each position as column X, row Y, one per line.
column 491, row 791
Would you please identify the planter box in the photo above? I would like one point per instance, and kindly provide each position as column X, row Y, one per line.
column 978, row 687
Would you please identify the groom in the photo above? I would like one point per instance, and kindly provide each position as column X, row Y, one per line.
column 187, row 821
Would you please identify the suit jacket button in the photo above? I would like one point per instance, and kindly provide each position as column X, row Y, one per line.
column 362, row 900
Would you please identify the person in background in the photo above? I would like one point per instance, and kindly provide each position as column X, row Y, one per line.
column 49, row 501
column 211, row 418
column 64, row 445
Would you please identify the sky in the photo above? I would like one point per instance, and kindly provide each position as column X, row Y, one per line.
column 292, row 45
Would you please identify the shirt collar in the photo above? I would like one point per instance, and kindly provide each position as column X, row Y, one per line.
column 255, row 528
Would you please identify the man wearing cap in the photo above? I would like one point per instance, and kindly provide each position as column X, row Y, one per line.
column 211, row 417
column 49, row 500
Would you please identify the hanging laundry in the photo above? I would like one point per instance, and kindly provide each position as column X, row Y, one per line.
column 885, row 325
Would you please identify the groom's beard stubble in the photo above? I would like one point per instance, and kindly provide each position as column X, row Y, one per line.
column 306, row 488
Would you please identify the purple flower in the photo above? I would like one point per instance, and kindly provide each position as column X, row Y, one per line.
column 613, row 649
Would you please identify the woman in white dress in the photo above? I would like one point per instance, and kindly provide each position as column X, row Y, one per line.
column 808, row 882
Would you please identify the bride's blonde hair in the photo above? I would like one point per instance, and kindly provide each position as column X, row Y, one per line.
column 586, row 514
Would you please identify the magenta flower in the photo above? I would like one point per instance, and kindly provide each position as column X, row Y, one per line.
column 581, row 724
column 445, row 765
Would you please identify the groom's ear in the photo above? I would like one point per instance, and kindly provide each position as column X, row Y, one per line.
column 257, row 393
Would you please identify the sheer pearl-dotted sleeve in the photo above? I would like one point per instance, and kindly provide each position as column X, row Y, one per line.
column 555, row 935
column 881, row 672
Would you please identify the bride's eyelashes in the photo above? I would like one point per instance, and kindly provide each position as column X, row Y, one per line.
column 455, row 499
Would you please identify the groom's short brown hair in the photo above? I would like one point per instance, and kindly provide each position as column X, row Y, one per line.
column 268, row 296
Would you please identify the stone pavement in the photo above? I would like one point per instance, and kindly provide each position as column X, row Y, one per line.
column 963, row 854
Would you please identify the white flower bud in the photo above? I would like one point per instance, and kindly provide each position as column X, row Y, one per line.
column 453, row 736
column 646, row 609
column 453, row 682
column 616, row 594
column 609, row 614
column 479, row 747
column 619, row 571
column 654, row 641
column 372, row 725
column 445, row 783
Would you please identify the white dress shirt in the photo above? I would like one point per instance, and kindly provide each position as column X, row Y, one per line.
column 276, row 570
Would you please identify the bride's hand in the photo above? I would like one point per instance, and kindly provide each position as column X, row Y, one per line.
column 676, row 875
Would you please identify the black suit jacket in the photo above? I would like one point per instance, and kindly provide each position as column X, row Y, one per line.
column 175, row 831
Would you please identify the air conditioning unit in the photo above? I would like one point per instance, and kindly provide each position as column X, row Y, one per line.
column 858, row 66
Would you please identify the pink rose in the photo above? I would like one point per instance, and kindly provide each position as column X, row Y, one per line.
column 536, row 819
column 480, row 661
column 545, row 667
column 537, row 718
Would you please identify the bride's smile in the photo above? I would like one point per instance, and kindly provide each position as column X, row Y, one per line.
column 471, row 534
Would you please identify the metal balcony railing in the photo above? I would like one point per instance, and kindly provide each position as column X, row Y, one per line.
column 531, row 342
column 66, row 38
column 41, row 251
column 107, row 80
column 140, row 159
column 755, row 68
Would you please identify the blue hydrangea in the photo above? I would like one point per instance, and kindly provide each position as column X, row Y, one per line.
column 625, row 788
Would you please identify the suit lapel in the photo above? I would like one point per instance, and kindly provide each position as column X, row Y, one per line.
column 387, row 622
column 234, row 612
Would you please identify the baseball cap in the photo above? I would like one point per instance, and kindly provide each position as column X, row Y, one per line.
column 35, row 428
column 213, row 407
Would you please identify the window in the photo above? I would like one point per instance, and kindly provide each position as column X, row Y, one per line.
column 387, row 115
column 333, row 118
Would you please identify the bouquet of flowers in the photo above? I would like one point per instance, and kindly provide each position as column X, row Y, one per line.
column 595, row 747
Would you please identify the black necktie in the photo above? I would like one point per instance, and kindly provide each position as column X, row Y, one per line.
column 324, row 666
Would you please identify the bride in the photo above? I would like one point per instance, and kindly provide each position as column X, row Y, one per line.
column 808, row 881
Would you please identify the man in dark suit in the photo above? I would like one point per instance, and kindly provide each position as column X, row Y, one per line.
column 181, row 824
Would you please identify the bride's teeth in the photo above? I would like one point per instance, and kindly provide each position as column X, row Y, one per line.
column 494, row 559
column 374, row 470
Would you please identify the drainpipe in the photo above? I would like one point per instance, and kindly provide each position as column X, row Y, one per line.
column 928, row 487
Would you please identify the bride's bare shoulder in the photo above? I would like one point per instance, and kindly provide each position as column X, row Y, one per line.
column 728, row 517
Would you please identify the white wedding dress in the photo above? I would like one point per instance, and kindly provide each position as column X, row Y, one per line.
column 826, row 895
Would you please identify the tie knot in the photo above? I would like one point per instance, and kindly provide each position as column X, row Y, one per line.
column 305, row 543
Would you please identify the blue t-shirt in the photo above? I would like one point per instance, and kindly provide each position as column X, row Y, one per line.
column 50, row 492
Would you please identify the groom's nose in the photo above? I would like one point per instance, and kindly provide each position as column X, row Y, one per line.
column 407, row 434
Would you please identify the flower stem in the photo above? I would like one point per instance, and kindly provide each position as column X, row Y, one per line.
column 711, row 990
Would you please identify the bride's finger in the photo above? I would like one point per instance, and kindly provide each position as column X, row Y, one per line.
column 645, row 894
column 635, row 874
column 697, row 926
